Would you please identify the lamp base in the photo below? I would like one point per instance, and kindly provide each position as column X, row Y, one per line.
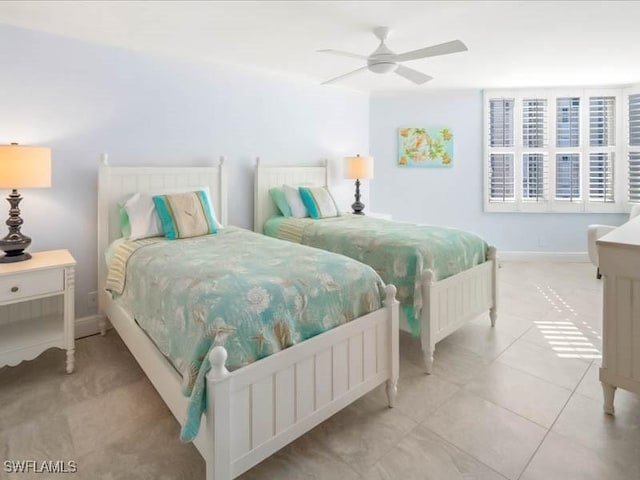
column 357, row 206
column 357, row 209
column 14, row 243
column 15, row 258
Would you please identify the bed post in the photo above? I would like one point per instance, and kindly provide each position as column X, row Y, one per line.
column 426, row 335
column 391, row 304
column 103, row 238
column 218, row 416
column 493, row 311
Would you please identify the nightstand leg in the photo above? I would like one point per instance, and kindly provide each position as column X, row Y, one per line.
column 70, row 318
column 71, row 360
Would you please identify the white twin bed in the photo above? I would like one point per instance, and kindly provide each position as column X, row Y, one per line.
column 257, row 409
column 447, row 304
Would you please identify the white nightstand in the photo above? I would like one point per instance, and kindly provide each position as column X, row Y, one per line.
column 45, row 275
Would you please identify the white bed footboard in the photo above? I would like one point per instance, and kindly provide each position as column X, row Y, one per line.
column 258, row 409
column 450, row 303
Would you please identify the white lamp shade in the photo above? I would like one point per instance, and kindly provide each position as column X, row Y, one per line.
column 358, row 167
column 25, row 167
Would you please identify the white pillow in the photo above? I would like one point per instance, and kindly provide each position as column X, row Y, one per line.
column 143, row 217
column 298, row 210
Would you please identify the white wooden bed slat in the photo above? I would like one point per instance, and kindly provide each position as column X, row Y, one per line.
column 263, row 411
column 355, row 361
column 305, row 388
column 285, row 399
column 324, row 388
column 340, row 374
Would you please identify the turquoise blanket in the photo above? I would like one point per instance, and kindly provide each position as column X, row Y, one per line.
column 396, row 250
column 252, row 294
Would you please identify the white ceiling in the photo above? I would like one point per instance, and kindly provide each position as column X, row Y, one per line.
column 511, row 43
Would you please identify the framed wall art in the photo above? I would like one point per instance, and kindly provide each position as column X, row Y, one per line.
column 425, row 147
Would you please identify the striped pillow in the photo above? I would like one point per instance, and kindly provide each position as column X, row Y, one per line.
column 185, row 215
column 319, row 202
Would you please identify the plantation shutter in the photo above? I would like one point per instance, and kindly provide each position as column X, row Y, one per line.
column 534, row 178
column 568, row 176
column 534, row 137
column 568, row 136
column 601, row 176
column 601, row 134
column 634, row 148
column 501, row 177
column 501, row 136
column 568, row 122
column 501, row 122
column 534, row 122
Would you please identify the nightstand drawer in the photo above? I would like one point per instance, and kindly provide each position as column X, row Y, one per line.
column 31, row 284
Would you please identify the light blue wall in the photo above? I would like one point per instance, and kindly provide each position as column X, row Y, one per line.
column 454, row 196
column 82, row 99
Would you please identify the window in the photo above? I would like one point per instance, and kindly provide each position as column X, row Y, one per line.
column 558, row 151
column 501, row 168
column 634, row 147
column 601, row 160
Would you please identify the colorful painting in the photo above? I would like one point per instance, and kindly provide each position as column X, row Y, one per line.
column 425, row 147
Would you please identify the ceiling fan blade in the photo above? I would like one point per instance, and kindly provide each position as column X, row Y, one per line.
column 345, row 75
column 433, row 51
column 412, row 75
column 342, row 54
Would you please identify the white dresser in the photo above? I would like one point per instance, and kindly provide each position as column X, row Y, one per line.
column 619, row 261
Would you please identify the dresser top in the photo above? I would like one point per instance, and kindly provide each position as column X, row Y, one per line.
column 626, row 235
column 39, row 261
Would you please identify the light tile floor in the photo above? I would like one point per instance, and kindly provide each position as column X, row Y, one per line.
column 519, row 401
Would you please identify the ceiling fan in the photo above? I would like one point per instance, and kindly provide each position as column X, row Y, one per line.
column 383, row 60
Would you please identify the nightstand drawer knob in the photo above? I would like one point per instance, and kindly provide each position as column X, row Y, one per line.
column 14, row 289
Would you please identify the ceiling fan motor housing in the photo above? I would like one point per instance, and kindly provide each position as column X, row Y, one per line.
column 381, row 61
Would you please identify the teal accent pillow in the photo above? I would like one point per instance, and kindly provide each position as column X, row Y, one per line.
column 279, row 198
column 123, row 221
column 319, row 202
column 185, row 215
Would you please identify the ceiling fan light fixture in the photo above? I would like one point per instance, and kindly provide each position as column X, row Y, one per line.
column 382, row 67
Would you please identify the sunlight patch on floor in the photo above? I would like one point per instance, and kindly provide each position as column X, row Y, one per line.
column 566, row 338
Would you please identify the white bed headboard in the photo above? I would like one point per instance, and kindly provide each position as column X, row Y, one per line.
column 267, row 177
column 117, row 183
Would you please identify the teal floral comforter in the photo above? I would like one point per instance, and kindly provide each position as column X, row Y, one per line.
column 396, row 250
column 253, row 294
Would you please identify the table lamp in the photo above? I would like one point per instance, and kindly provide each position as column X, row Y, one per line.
column 358, row 168
column 21, row 167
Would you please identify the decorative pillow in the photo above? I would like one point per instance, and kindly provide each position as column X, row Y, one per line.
column 319, row 202
column 185, row 215
column 279, row 198
column 298, row 209
column 123, row 221
column 142, row 216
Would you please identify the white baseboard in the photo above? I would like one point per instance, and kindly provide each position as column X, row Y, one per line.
column 86, row 326
column 567, row 257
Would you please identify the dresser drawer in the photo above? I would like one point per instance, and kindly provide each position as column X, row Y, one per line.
column 25, row 285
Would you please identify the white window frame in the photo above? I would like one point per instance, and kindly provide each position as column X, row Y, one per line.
column 634, row 90
column 551, row 203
